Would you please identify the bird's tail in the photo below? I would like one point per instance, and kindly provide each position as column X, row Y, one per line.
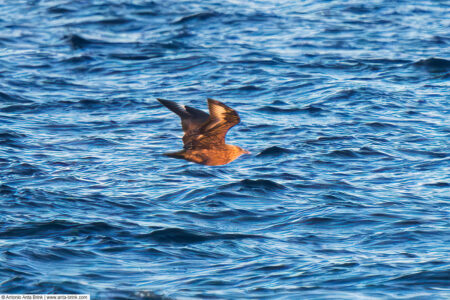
column 180, row 154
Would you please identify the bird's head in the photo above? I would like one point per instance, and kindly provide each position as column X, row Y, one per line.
column 245, row 151
column 240, row 151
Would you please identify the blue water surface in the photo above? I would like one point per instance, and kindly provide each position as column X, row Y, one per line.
column 345, row 106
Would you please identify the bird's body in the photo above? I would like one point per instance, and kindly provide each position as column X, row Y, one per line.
column 204, row 135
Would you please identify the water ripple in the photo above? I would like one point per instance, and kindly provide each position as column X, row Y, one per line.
column 344, row 106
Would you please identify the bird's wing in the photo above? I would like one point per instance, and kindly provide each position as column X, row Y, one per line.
column 212, row 133
column 191, row 118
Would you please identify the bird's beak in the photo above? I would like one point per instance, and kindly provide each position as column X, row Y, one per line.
column 247, row 152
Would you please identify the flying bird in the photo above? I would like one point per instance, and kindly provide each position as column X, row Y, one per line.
column 204, row 134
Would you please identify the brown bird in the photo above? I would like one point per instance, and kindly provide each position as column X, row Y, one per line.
column 204, row 135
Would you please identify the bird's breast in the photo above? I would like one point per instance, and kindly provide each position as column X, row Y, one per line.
column 211, row 157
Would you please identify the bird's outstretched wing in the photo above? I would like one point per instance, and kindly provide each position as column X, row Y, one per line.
column 212, row 133
column 191, row 118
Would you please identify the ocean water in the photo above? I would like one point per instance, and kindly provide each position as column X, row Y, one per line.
column 345, row 106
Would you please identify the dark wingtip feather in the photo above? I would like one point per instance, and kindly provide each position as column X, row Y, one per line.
column 211, row 100
column 218, row 103
column 176, row 108
column 165, row 102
